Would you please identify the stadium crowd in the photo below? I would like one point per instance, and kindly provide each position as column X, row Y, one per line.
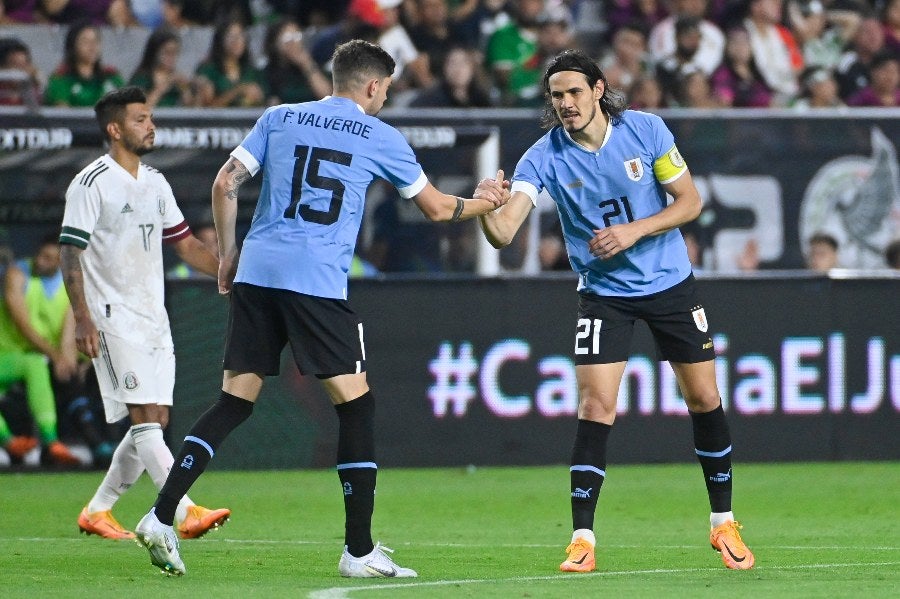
column 470, row 53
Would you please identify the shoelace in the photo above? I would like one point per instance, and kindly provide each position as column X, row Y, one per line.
column 380, row 547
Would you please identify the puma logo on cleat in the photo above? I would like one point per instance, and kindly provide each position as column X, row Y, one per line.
column 386, row 573
column 733, row 556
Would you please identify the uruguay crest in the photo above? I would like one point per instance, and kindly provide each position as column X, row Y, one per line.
column 634, row 168
column 700, row 319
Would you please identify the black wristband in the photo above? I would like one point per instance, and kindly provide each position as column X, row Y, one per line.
column 460, row 203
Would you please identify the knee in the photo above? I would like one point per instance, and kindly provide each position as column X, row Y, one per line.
column 596, row 408
column 702, row 402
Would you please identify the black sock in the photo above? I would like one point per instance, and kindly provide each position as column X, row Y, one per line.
column 712, row 442
column 199, row 446
column 588, row 471
column 357, row 471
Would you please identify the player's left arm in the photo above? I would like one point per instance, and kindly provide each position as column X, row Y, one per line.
column 195, row 253
column 225, row 188
column 684, row 208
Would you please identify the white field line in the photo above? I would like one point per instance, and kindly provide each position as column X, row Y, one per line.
column 343, row 592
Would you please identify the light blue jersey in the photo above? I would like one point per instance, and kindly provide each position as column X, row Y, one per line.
column 619, row 183
column 318, row 159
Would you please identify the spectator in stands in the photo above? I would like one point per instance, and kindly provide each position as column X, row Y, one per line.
column 361, row 21
column 35, row 324
column 822, row 33
column 173, row 15
column 892, row 254
column 157, row 73
column 461, row 84
column 477, row 20
column 290, row 73
column 695, row 91
column 674, row 68
column 647, row 12
column 511, row 48
column 775, row 51
column 228, row 77
column 892, row 25
column 820, row 90
column 628, row 58
column 96, row 12
column 20, row 81
column 737, row 82
column 711, row 43
column 646, row 94
column 18, row 11
column 412, row 70
column 434, row 33
column 884, row 85
column 81, row 79
column 822, row 252
column 695, row 248
column 852, row 72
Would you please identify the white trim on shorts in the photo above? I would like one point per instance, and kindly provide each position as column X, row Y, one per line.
column 130, row 374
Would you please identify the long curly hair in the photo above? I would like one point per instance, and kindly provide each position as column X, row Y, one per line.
column 612, row 102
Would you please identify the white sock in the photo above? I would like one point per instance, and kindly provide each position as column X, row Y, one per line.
column 584, row 533
column 157, row 459
column 719, row 518
column 124, row 470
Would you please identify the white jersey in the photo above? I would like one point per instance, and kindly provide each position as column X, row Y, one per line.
column 121, row 222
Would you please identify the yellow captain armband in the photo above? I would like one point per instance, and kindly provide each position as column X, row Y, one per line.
column 669, row 166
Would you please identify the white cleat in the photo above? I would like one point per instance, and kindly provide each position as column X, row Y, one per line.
column 376, row 564
column 162, row 543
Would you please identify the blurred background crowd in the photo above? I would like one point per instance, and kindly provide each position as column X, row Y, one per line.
column 454, row 53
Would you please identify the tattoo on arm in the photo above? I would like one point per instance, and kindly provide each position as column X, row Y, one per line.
column 237, row 176
column 73, row 278
column 459, row 209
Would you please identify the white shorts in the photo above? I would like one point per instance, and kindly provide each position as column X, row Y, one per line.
column 129, row 374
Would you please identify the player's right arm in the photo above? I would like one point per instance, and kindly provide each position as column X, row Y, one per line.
column 87, row 338
column 224, row 206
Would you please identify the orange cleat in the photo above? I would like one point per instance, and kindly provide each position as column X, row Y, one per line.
column 581, row 557
column 726, row 539
column 201, row 520
column 102, row 524
column 19, row 446
column 57, row 454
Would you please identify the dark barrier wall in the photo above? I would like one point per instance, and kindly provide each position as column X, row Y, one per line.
column 771, row 177
column 479, row 371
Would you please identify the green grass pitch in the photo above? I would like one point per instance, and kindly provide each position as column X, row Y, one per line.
column 818, row 530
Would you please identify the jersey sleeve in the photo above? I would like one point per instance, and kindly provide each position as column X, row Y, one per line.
column 82, row 212
column 526, row 177
column 175, row 228
column 252, row 151
column 668, row 165
column 398, row 164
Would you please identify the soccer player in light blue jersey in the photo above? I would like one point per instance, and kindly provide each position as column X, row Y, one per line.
column 608, row 169
column 290, row 285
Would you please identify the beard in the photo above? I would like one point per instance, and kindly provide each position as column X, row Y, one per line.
column 138, row 149
column 583, row 127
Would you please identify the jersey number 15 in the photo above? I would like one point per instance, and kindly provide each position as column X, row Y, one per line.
column 314, row 179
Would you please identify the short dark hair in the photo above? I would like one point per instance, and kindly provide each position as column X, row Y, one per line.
column 111, row 107
column 612, row 102
column 11, row 45
column 355, row 61
column 824, row 238
column 892, row 254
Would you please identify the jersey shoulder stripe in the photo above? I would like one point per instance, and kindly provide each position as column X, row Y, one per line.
column 73, row 236
column 89, row 177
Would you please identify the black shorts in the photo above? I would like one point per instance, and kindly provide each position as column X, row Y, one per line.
column 326, row 336
column 675, row 317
